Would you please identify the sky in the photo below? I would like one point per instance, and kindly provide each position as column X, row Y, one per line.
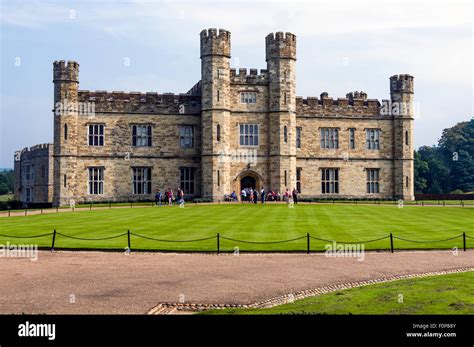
column 342, row 46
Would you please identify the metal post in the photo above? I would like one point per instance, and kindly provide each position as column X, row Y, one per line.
column 8, row 212
column 391, row 242
column 26, row 211
column 54, row 239
column 307, row 243
column 218, row 244
column 464, row 241
column 128, row 236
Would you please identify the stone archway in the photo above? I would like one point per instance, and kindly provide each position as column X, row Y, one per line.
column 248, row 178
column 248, row 182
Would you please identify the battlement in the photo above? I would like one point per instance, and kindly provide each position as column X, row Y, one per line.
column 35, row 151
column 402, row 83
column 65, row 71
column 137, row 102
column 251, row 77
column 215, row 42
column 280, row 45
column 326, row 105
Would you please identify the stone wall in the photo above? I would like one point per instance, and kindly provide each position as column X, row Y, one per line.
column 220, row 162
column 40, row 160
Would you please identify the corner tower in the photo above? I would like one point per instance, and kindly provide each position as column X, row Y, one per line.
column 281, row 60
column 215, row 112
column 401, row 95
column 66, row 87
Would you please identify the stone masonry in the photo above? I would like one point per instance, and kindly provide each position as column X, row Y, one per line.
column 224, row 111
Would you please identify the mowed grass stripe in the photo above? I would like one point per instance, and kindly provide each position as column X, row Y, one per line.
column 269, row 222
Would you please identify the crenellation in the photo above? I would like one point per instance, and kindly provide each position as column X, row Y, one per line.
column 138, row 102
column 251, row 76
column 230, row 111
column 340, row 107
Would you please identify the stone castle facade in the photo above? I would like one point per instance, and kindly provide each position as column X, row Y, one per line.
column 232, row 129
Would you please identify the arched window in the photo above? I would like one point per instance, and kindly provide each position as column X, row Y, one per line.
column 218, row 132
column 65, row 131
column 285, row 134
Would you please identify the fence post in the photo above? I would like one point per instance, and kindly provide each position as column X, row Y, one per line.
column 41, row 210
column 9, row 212
column 57, row 209
column 443, row 203
column 131, row 204
column 90, row 206
column 54, row 239
column 218, row 244
column 307, row 243
column 422, row 203
column 26, row 211
column 464, row 241
column 391, row 243
column 128, row 236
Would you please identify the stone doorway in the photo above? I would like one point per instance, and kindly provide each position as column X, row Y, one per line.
column 247, row 182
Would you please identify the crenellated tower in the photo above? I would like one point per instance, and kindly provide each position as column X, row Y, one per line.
column 215, row 112
column 401, row 95
column 66, row 87
column 281, row 60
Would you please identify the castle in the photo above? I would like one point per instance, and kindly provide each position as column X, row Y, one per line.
column 232, row 129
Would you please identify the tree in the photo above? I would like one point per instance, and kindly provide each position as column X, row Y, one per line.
column 448, row 166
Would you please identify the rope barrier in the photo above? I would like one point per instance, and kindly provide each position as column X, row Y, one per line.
column 262, row 242
column 93, row 239
column 425, row 241
column 347, row 242
column 26, row 237
column 161, row 240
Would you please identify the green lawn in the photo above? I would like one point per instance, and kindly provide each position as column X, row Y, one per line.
column 448, row 294
column 349, row 223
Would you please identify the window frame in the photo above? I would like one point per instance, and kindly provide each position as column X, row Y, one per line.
column 250, row 137
column 184, row 137
column 248, row 97
column 146, row 137
column 329, row 138
column 372, row 180
column 330, row 179
column 99, row 136
column 187, row 180
column 100, row 182
column 141, row 184
column 372, row 139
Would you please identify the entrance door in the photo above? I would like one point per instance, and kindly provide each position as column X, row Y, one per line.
column 247, row 182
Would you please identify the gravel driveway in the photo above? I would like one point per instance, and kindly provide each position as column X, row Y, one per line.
column 102, row 282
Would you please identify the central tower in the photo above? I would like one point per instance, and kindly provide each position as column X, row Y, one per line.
column 215, row 113
column 281, row 59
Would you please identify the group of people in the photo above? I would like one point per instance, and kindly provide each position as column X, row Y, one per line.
column 253, row 195
column 168, row 196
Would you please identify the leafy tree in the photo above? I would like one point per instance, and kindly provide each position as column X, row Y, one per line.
column 448, row 166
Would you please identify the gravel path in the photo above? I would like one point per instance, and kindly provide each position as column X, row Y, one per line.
column 98, row 282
